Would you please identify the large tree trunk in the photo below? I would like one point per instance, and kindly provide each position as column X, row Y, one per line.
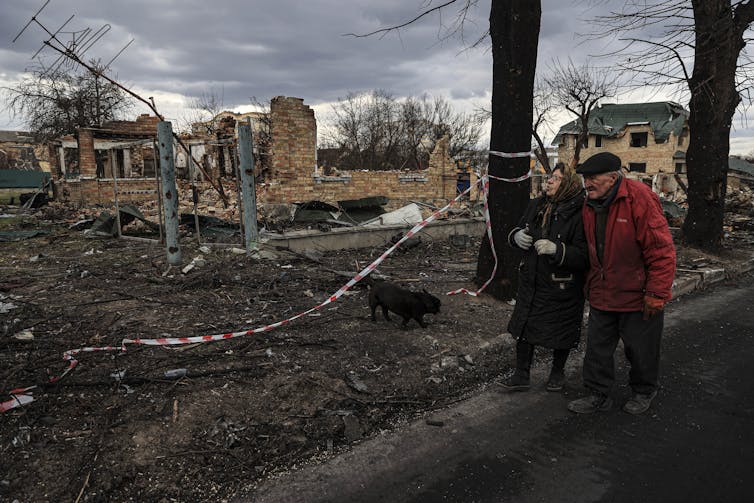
column 714, row 98
column 514, row 30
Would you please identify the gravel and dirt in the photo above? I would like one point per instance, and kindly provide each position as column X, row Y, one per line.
column 117, row 429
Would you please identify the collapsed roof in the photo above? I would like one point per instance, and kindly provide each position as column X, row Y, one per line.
column 610, row 120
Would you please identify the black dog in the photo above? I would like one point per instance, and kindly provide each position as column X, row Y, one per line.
column 402, row 302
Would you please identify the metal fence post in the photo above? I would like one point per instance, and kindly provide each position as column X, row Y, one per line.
column 248, row 190
column 170, row 206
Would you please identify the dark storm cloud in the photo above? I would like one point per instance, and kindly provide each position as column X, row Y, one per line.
column 260, row 48
column 287, row 47
column 238, row 49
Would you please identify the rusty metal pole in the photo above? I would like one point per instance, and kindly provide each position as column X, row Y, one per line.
column 251, row 233
column 170, row 206
column 115, row 191
column 194, row 194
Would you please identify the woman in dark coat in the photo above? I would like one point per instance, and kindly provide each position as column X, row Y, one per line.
column 550, row 300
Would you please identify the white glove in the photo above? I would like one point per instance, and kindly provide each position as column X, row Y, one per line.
column 545, row 247
column 523, row 239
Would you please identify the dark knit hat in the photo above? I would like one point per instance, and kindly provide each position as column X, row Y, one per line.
column 604, row 162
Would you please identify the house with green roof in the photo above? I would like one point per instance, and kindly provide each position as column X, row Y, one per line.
column 648, row 137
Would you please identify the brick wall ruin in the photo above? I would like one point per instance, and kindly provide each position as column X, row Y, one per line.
column 293, row 175
column 87, row 188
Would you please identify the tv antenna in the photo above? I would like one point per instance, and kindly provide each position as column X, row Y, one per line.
column 73, row 53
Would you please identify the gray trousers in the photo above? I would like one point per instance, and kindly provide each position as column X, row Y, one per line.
column 641, row 340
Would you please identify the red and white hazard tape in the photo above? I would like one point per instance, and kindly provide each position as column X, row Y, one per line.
column 510, row 155
column 22, row 397
column 488, row 224
column 19, row 397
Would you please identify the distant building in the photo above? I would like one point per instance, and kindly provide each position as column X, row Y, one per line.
column 19, row 150
column 740, row 171
column 649, row 138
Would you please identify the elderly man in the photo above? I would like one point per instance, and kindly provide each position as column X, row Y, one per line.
column 632, row 266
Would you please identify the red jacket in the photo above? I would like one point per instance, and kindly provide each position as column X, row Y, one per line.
column 639, row 255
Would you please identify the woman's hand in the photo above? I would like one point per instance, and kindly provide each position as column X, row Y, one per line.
column 545, row 247
column 523, row 239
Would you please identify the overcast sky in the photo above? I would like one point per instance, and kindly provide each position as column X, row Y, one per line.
column 241, row 49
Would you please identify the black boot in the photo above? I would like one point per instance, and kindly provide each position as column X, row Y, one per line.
column 519, row 381
column 556, row 381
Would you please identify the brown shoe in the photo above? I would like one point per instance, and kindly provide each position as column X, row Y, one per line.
column 639, row 403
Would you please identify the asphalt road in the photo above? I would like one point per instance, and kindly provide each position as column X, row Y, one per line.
column 696, row 443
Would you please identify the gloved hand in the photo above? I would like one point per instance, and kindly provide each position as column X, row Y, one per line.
column 545, row 247
column 652, row 306
column 523, row 239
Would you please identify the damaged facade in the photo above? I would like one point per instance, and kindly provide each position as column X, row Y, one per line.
column 19, row 150
column 650, row 139
column 91, row 164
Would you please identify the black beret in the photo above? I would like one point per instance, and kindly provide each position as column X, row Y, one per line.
column 604, row 162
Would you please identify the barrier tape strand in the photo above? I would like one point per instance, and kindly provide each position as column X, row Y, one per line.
column 22, row 396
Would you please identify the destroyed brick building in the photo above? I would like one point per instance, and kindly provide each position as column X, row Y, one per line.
column 92, row 164
column 19, row 150
column 648, row 137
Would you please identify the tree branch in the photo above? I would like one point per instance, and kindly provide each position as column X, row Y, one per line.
column 385, row 31
column 676, row 54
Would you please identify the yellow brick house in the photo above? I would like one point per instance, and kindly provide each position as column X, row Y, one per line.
column 650, row 138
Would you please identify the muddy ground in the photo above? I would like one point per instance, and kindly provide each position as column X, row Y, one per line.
column 246, row 408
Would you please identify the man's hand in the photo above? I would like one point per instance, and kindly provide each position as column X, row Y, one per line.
column 545, row 247
column 652, row 306
column 523, row 239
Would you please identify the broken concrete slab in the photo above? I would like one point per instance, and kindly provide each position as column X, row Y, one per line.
column 368, row 237
column 685, row 284
column 712, row 276
column 409, row 214
column 315, row 211
column 106, row 224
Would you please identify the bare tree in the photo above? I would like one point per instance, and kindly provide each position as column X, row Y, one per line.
column 514, row 34
column 418, row 127
column 366, row 127
column 54, row 103
column 463, row 130
column 662, row 40
column 203, row 110
column 579, row 90
column 542, row 107
column 377, row 131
